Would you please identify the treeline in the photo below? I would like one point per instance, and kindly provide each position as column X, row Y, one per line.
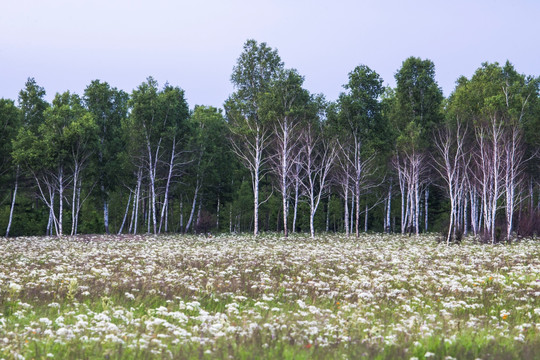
column 279, row 158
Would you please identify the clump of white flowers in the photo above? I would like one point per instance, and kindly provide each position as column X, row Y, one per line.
column 154, row 294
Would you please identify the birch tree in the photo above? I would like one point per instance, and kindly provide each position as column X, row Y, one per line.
column 32, row 107
column 175, row 114
column 499, row 103
column 449, row 163
column 317, row 159
column 56, row 152
column 286, row 106
column 361, row 132
column 417, row 110
column 255, row 69
column 109, row 108
column 159, row 117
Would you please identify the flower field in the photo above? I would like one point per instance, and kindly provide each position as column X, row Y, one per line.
column 240, row 297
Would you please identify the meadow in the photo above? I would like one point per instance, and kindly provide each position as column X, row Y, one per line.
column 241, row 297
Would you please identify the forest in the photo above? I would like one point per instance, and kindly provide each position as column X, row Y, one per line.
column 278, row 158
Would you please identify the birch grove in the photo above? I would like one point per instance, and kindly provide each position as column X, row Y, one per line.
column 378, row 158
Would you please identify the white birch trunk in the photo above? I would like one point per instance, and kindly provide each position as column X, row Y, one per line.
column 74, row 198
column 417, row 204
column 125, row 214
column 193, row 206
column 296, row 196
column 346, row 212
column 426, row 205
column 465, row 216
column 366, row 219
column 388, row 208
column 137, row 200
column 13, row 201
column 106, row 215
column 60, row 200
column 351, row 221
column 167, row 186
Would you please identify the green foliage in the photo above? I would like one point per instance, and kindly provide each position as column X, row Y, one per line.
column 113, row 135
column 285, row 98
column 214, row 162
column 495, row 89
column 255, row 70
column 32, row 104
column 500, row 92
column 360, row 113
column 9, row 125
column 418, row 103
column 109, row 109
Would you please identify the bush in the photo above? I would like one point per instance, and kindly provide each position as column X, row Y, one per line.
column 528, row 224
column 205, row 222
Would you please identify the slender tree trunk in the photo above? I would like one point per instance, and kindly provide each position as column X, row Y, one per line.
column 296, row 195
column 198, row 222
column 60, row 199
column 426, row 198
column 311, row 215
column 357, row 199
column 137, row 199
column 465, row 216
column 166, row 224
column 78, row 208
column 351, row 223
column 495, row 186
column 149, row 211
column 480, row 217
column 74, row 198
column 346, row 204
column 403, row 215
column 459, row 218
column 366, row 218
column 256, row 204
column 125, row 215
column 514, row 162
column 408, row 211
column 104, row 198
column 106, row 214
column 217, row 214
column 474, row 211
column 451, row 224
column 13, row 201
column 167, row 186
column 417, row 207
column 285, row 211
column 388, row 208
column 152, row 192
column 193, row 206
column 51, row 220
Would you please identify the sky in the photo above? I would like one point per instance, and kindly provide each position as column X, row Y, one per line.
column 65, row 44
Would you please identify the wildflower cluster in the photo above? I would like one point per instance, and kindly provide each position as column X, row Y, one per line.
column 190, row 297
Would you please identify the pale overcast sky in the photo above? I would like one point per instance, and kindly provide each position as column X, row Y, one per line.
column 65, row 44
